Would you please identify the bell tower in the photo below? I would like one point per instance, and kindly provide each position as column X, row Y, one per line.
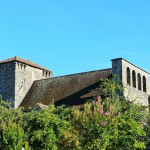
column 135, row 80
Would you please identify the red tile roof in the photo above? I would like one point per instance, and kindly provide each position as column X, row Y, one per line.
column 18, row 59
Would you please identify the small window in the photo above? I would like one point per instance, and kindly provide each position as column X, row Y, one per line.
column 144, row 84
column 24, row 67
column 46, row 74
column 43, row 72
column 139, row 81
column 128, row 76
column 133, row 79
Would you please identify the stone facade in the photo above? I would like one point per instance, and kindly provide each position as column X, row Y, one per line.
column 7, row 81
column 25, row 75
column 26, row 83
column 135, row 80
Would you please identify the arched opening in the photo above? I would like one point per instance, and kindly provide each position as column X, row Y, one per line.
column 139, row 81
column 128, row 76
column 144, row 84
column 133, row 79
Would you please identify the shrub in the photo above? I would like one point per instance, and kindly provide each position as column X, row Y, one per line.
column 44, row 128
column 11, row 131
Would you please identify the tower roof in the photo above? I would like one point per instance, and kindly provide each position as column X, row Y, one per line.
column 27, row 62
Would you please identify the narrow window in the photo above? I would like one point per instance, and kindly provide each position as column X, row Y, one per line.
column 139, row 81
column 43, row 72
column 21, row 66
column 128, row 76
column 46, row 73
column 133, row 79
column 24, row 67
column 144, row 84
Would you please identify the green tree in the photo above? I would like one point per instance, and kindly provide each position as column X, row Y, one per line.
column 11, row 131
column 44, row 128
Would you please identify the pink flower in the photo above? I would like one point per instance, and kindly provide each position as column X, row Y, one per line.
column 99, row 97
column 105, row 123
column 106, row 114
column 103, row 103
column 101, row 111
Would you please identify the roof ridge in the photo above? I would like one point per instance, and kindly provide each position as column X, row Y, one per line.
column 16, row 57
column 19, row 59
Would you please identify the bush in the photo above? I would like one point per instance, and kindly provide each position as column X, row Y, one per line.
column 44, row 128
column 11, row 131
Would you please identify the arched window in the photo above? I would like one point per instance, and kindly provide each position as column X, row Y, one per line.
column 144, row 84
column 139, row 81
column 128, row 76
column 133, row 79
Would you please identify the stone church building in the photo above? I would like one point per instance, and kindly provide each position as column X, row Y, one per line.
column 26, row 83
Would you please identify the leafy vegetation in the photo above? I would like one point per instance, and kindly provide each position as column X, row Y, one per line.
column 111, row 123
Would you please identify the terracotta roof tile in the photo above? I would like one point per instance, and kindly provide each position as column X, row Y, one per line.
column 18, row 59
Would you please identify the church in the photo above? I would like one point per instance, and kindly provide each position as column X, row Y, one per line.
column 26, row 83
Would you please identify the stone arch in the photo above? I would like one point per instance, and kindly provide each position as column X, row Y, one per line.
column 144, row 84
column 139, row 81
column 128, row 76
column 133, row 79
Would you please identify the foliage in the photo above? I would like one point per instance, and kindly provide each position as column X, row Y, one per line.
column 11, row 131
column 104, row 124
column 147, row 130
column 44, row 128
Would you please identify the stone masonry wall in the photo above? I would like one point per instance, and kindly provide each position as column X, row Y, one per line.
column 7, row 81
column 25, row 75
column 130, row 92
column 117, row 68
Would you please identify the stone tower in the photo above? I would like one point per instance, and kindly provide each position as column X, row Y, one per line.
column 134, row 79
column 17, row 76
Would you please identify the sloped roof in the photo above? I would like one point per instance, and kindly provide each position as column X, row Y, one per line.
column 16, row 58
column 69, row 90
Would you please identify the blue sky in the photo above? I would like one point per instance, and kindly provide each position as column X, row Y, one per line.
column 71, row 36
